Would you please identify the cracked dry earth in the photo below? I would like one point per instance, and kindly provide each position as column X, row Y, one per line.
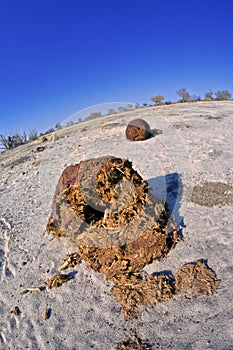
column 189, row 165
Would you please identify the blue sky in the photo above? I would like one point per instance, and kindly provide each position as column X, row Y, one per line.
column 58, row 57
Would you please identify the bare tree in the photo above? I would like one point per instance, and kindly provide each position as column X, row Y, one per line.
column 223, row 95
column 13, row 141
column 6, row 142
column 209, row 96
column 32, row 135
column 157, row 99
column 184, row 94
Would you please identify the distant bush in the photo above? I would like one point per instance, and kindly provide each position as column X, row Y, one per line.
column 223, row 95
column 129, row 106
column 209, row 96
column 121, row 109
column 111, row 111
column 94, row 115
column 157, row 99
column 49, row 131
column 58, row 126
column 69, row 123
column 194, row 98
column 168, row 102
column 32, row 135
column 14, row 140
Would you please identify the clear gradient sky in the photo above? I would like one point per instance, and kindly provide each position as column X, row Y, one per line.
column 57, row 57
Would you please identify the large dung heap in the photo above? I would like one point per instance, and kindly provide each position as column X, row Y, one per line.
column 106, row 208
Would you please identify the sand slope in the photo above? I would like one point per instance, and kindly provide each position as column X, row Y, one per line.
column 195, row 147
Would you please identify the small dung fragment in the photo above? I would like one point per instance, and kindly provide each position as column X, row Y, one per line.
column 135, row 343
column 57, row 280
column 138, row 130
column 33, row 289
column 134, row 291
column 47, row 313
column 43, row 139
column 16, row 311
column 70, row 261
column 40, row 148
column 196, row 279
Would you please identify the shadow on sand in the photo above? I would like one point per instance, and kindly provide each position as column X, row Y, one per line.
column 169, row 188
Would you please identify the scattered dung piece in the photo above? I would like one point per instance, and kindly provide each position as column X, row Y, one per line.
column 40, row 148
column 43, row 139
column 33, row 289
column 47, row 313
column 210, row 194
column 138, row 130
column 133, row 291
column 16, row 311
column 54, row 137
column 156, row 131
column 57, row 280
column 70, row 261
column 134, row 343
column 196, row 279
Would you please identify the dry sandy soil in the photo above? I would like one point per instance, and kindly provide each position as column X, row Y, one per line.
column 190, row 163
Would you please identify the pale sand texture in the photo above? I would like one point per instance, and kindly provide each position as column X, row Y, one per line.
column 195, row 146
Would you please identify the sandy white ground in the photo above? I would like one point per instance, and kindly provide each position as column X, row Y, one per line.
column 196, row 145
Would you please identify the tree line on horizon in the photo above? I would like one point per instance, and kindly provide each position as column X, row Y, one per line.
column 184, row 95
column 14, row 140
